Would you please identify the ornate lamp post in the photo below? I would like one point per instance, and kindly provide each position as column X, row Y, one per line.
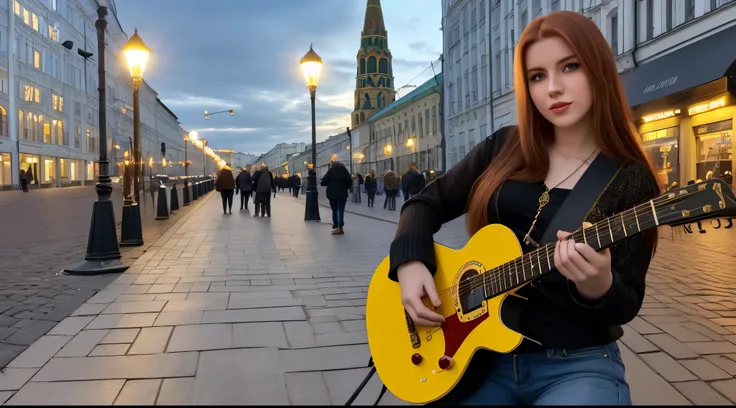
column 136, row 52
column 311, row 65
column 103, row 252
column 131, row 233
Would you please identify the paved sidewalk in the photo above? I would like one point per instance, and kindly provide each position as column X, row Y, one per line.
column 50, row 228
column 223, row 309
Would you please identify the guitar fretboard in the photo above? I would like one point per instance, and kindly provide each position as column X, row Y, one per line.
column 534, row 264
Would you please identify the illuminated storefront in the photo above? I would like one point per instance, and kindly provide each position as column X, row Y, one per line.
column 6, row 173
column 685, row 111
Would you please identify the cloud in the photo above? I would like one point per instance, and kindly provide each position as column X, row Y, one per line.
column 200, row 101
column 246, row 57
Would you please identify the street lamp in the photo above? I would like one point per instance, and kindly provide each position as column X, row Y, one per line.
column 207, row 114
column 311, row 65
column 103, row 252
column 136, row 52
column 131, row 233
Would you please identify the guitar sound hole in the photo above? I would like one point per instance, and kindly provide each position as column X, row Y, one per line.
column 471, row 296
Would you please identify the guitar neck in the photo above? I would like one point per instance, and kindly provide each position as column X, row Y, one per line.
column 599, row 236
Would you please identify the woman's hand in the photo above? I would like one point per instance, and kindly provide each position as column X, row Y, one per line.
column 580, row 263
column 416, row 281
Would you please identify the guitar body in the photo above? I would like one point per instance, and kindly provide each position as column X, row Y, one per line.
column 395, row 343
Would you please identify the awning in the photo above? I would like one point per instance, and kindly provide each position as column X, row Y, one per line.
column 699, row 63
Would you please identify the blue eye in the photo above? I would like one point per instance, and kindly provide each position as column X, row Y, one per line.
column 571, row 66
column 536, row 77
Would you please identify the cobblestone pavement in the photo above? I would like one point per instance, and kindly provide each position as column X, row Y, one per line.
column 230, row 309
column 49, row 231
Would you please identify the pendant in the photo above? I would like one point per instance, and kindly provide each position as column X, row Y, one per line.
column 544, row 199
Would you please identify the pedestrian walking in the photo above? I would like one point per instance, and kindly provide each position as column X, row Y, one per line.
column 391, row 188
column 371, row 186
column 225, row 184
column 24, row 181
column 338, row 181
column 244, row 185
column 263, row 184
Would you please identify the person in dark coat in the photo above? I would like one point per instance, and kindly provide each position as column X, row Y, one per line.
column 263, row 183
column 338, row 181
column 413, row 182
column 296, row 184
column 225, row 184
column 244, row 184
column 371, row 186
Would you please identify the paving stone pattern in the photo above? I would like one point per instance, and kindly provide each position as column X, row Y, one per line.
column 230, row 309
column 50, row 229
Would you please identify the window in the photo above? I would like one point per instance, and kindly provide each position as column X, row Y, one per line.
column 3, row 121
column 16, row 7
column 669, row 9
column 36, row 59
column 57, row 102
column 613, row 31
column 649, row 33
column 53, row 34
column 34, row 19
column 661, row 147
column 26, row 17
column 555, row 6
column 31, row 94
column 689, row 10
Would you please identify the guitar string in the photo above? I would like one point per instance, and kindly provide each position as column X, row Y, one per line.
column 587, row 234
column 509, row 266
column 496, row 278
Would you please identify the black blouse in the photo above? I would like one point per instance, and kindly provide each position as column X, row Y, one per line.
column 554, row 314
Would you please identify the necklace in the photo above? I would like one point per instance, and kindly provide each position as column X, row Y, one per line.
column 544, row 200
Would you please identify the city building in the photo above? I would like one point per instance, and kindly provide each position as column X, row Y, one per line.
column 49, row 109
column 674, row 57
column 374, row 80
column 275, row 158
column 409, row 131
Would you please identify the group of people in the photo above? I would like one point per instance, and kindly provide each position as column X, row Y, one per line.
column 260, row 184
column 293, row 183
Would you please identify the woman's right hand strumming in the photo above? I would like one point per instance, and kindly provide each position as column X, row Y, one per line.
column 416, row 281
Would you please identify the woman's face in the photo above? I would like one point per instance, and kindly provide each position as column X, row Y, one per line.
column 558, row 84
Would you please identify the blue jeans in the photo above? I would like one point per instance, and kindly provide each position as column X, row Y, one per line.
column 338, row 212
column 587, row 376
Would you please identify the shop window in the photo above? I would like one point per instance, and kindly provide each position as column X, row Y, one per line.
column 6, row 172
column 714, row 150
column 662, row 148
column 3, row 121
column 29, row 164
column 49, row 170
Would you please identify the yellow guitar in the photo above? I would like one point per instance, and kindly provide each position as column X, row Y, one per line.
column 422, row 364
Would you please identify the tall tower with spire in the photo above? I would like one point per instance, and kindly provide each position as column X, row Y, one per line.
column 374, row 81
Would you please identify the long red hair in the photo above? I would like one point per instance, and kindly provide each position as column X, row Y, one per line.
column 524, row 156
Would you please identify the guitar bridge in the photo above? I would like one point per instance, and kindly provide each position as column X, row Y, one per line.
column 413, row 335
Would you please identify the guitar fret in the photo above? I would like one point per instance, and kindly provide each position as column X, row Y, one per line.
column 539, row 262
column 517, row 272
column 610, row 231
column 485, row 291
column 549, row 265
column 654, row 212
column 623, row 224
column 637, row 220
column 597, row 235
column 585, row 239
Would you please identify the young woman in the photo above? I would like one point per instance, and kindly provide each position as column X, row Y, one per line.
column 571, row 107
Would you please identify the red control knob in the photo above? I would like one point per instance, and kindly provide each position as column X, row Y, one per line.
column 445, row 362
column 416, row 358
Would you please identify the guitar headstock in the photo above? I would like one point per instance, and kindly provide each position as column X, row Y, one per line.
column 712, row 198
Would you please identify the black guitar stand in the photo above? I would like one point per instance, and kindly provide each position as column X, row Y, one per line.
column 363, row 384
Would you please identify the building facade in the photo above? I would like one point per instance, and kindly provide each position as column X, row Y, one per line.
column 682, row 109
column 49, row 98
column 374, row 80
column 409, row 131
column 276, row 158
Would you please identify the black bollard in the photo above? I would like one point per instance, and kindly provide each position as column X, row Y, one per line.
column 186, row 193
column 162, row 210
column 174, row 198
column 194, row 191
